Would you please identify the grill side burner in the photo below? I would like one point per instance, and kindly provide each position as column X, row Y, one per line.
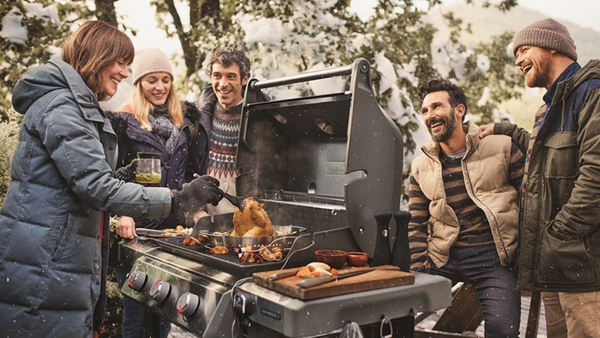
column 271, row 313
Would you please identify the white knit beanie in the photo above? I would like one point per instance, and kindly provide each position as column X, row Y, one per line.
column 148, row 61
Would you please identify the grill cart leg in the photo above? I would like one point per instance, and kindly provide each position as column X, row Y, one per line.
column 151, row 324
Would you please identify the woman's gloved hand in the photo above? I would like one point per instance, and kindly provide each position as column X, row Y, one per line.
column 127, row 173
column 194, row 195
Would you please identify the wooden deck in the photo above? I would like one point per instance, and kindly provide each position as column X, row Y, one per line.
column 428, row 323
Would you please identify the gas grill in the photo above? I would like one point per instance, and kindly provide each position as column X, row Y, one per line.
column 327, row 164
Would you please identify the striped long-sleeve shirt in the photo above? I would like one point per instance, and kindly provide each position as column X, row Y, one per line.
column 474, row 226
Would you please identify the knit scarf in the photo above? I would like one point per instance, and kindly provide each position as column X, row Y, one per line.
column 163, row 127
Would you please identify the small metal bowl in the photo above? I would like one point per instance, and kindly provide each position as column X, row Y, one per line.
column 334, row 258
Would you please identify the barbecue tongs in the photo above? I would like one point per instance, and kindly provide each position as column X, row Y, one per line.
column 236, row 201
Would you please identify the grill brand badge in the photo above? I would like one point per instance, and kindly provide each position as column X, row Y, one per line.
column 269, row 313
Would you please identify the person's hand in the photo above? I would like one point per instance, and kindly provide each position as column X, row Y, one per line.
column 127, row 173
column 126, row 227
column 197, row 193
column 199, row 214
column 486, row 130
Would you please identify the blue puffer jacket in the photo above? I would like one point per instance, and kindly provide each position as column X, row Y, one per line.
column 133, row 140
column 52, row 268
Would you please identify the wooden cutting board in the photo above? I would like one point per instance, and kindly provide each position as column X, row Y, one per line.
column 383, row 277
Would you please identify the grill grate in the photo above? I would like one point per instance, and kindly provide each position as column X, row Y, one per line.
column 200, row 254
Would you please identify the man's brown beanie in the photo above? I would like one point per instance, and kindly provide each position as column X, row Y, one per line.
column 549, row 34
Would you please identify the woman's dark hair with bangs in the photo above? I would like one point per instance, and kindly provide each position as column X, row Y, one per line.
column 94, row 46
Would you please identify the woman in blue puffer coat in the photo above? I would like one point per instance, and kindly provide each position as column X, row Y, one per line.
column 54, row 219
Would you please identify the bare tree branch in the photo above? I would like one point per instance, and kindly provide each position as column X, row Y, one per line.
column 189, row 50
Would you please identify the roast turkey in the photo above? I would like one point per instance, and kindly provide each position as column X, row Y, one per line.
column 252, row 221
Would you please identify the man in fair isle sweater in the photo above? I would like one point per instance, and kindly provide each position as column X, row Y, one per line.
column 218, row 126
column 463, row 204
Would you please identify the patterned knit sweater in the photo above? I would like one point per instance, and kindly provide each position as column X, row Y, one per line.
column 224, row 141
column 222, row 152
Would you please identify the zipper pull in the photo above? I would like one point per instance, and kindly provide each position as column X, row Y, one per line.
column 565, row 92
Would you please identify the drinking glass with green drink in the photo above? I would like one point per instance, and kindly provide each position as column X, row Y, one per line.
column 148, row 171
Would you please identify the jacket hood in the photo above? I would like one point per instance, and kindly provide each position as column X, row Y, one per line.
column 55, row 75
column 590, row 71
column 190, row 111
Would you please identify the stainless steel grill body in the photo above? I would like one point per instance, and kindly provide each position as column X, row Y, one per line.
column 259, row 312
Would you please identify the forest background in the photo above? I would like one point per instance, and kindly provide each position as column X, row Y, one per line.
column 406, row 41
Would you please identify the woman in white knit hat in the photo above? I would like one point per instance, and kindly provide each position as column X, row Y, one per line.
column 152, row 121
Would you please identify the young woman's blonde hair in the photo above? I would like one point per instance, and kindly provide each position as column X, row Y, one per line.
column 94, row 46
column 142, row 107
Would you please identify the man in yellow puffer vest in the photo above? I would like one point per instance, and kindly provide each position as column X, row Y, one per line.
column 463, row 202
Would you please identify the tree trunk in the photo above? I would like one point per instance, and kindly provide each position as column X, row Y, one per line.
column 192, row 55
column 105, row 11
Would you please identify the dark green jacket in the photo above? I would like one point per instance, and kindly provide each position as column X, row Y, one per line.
column 559, row 246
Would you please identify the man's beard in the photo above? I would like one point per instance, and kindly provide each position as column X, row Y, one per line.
column 449, row 125
column 541, row 76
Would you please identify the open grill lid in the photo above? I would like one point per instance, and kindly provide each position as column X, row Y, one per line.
column 338, row 148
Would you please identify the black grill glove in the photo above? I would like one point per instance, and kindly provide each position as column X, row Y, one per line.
column 127, row 173
column 196, row 194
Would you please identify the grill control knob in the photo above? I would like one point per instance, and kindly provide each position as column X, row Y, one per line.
column 244, row 303
column 137, row 280
column 160, row 291
column 189, row 304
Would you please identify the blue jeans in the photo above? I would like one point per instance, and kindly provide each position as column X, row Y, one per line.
column 136, row 316
column 495, row 286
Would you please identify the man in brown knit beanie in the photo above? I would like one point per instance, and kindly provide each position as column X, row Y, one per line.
column 560, row 199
